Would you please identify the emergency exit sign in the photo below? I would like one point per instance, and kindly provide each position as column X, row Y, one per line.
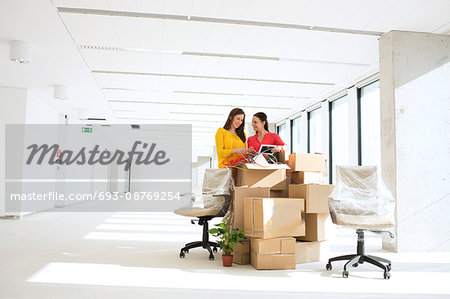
column 86, row 130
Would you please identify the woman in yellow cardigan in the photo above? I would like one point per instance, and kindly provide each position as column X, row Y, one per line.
column 231, row 139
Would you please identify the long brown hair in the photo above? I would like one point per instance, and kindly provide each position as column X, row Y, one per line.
column 240, row 130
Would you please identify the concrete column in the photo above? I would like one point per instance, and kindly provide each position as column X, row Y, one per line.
column 415, row 137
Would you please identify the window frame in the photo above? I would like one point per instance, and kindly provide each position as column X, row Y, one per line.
column 315, row 108
column 359, row 87
column 291, row 123
column 335, row 98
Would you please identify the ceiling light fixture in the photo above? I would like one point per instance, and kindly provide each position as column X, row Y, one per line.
column 171, row 119
column 124, row 110
column 239, row 94
column 223, row 55
column 20, row 51
column 141, row 50
column 194, row 104
column 197, row 113
column 220, row 55
column 61, row 92
column 208, row 93
column 212, row 77
column 116, row 13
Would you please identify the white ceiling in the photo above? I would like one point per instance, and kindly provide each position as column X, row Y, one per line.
column 153, row 66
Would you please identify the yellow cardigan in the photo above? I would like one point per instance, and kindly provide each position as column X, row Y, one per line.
column 225, row 142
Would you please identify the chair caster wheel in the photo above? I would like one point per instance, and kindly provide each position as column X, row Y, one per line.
column 182, row 255
column 187, row 251
column 329, row 267
column 355, row 265
column 387, row 275
column 389, row 267
column 211, row 257
column 345, row 273
column 215, row 249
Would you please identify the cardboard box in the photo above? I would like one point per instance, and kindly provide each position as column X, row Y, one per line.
column 239, row 194
column 282, row 157
column 241, row 253
column 274, row 217
column 241, row 259
column 271, row 175
column 273, row 246
column 242, row 248
column 272, row 261
column 315, row 227
column 279, row 193
column 307, row 162
column 306, row 252
column 307, row 177
column 315, row 195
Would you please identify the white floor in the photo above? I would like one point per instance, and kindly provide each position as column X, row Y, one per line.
column 136, row 255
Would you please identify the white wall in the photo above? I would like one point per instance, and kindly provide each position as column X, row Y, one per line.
column 12, row 111
column 415, row 125
column 20, row 106
column 39, row 112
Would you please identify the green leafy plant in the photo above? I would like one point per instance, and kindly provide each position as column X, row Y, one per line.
column 228, row 237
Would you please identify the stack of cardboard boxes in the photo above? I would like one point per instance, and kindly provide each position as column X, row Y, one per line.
column 307, row 181
column 282, row 213
column 272, row 223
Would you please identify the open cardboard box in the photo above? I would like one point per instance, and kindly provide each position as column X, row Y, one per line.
column 267, row 175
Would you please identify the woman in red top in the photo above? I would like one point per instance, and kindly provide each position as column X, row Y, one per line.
column 263, row 136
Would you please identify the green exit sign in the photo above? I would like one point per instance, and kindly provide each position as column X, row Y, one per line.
column 86, row 130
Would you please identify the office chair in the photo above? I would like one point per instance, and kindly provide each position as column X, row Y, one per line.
column 214, row 202
column 360, row 200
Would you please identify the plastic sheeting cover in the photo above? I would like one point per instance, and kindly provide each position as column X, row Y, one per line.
column 217, row 181
column 215, row 198
column 361, row 195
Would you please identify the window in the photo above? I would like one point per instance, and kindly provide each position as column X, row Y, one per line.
column 315, row 131
column 281, row 131
column 369, row 124
column 339, row 139
column 295, row 135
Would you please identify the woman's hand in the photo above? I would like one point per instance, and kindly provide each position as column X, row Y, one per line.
column 277, row 149
column 239, row 150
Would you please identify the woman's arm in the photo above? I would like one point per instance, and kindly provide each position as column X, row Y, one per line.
column 221, row 151
column 278, row 141
column 239, row 150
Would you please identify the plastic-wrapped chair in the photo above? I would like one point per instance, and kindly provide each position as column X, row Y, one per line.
column 360, row 200
column 214, row 202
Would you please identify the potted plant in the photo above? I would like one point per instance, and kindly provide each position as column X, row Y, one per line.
column 227, row 238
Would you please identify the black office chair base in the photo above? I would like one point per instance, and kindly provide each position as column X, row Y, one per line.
column 360, row 258
column 205, row 243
